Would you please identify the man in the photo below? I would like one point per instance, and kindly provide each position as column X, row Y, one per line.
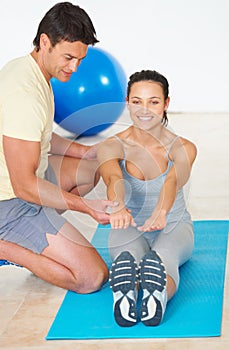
column 38, row 168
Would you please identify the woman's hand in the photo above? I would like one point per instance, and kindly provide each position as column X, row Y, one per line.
column 157, row 221
column 121, row 219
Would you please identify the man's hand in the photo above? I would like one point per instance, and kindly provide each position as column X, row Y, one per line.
column 98, row 209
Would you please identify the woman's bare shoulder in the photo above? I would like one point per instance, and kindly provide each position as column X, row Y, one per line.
column 110, row 148
column 183, row 147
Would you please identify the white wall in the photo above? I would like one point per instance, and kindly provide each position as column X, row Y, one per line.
column 187, row 40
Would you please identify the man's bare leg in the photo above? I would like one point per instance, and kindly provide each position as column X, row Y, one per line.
column 69, row 262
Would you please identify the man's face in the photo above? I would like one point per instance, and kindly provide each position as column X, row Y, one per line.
column 61, row 60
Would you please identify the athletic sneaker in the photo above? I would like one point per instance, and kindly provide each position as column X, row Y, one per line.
column 153, row 284
column 3, row 262
column 6, row 262
column 123, row 281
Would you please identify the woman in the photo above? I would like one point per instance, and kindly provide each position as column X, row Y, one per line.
column 145, row 168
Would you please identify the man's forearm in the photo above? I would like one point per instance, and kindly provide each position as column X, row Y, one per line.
column 65, row 147
column 43, row 192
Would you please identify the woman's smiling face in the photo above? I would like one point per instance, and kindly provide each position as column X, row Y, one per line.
column 147, row 104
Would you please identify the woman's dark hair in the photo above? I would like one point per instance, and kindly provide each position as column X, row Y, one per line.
column 151, row 75
column 65, row 21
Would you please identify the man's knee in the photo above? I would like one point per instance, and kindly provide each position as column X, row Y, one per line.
column 91, row 280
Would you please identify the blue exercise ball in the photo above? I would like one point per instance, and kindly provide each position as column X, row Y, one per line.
column 94, row 97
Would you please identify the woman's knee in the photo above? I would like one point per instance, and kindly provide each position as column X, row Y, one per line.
column 127, row 240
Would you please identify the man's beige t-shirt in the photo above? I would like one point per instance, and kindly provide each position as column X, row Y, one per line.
column 26, row 113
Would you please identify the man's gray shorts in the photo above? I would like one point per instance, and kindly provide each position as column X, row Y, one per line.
column 26, row 224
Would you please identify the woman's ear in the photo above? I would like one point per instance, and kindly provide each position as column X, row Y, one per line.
column 127, row 103
column 167, row 101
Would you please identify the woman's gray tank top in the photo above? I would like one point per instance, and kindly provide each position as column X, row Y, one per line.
column 142, row 195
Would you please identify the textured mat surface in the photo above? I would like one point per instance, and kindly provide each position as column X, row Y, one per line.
column 195, row 311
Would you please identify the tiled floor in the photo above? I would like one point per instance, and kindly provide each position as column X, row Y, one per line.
column 29, row 305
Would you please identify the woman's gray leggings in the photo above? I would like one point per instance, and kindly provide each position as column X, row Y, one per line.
column 174, row 244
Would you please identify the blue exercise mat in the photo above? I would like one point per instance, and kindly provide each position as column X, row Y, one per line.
column 195, row 311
